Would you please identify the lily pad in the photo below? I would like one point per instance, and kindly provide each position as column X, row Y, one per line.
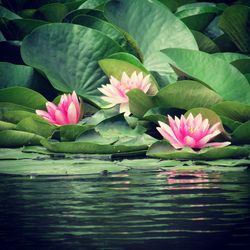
column 7, row 125
column 193, row 94
column 234, row 22
column 241, row 134
column 13, row 138
column 201, row 66
column 23, row 96
column 163, row 150
column 45, row 49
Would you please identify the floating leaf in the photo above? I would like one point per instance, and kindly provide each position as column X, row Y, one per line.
column 59, row 167
column 13, row 138
column 230, row 56
column 163, row 150
column 202, row 66
column 6, row 125
column 5, row 13
column 16, row 116
column 37, row 126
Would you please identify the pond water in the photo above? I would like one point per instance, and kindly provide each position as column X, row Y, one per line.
column 135, row 210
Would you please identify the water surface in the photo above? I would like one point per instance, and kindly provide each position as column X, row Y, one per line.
column 135, row 210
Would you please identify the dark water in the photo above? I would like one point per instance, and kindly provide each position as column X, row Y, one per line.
column 157, row 210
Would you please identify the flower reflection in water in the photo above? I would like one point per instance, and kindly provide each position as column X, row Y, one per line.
column 121, row 183
column 188, row 179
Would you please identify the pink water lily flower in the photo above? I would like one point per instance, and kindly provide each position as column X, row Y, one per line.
column 193, row 132
column 115, row 93
column 68, row 111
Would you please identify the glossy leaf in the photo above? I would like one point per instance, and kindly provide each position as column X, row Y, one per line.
column 233, row 110
column 202, row 66
column 13, row 138
column 139, row 102
column 37, row 126
column 6, row 126
column 84, row 47
column 193, row 94
column 197, row 17
column 205, row 43
column 23, row 96
column 241, row 134
column 143, row 20
column 163, row 150
column 234, row 22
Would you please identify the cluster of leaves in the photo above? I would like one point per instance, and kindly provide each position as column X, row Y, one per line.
column 197, row 55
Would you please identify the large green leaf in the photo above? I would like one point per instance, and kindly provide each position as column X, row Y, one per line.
column 15, row 116
column 13, row 138
column 235, row 23
column 6, row 125
column 197, row 16
column 47, row 47
column 22, row 76
column 205, row 43
column 154, row 27
column 163, row 150
column 17, row 29
column 92, row 4
column 5, row 13
column 193, row 94
column 53, row 12
column 230, row 56
column 107, row 28
column 241, row 134
column 139, row 102
column 233, row 110
column 37, row 126
column 87, row 147
column 23, row 96
column 214, row 72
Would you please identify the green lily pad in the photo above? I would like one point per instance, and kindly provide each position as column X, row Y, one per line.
column 15, row 116
column 36, row 125
column 7, row 125
column 234, row 22
column 233, row 110
column 139, row 102
column 154, row 27
column 241, row 134
column 58, row 167
column 45, row 48
column 163, row 150
column 193, row 94
column 92, row 4
column 230, row 56
column 201, row 66
column 205, row 43
column 23, row 96
column 13, row 138
column 5, row 13
column 197, row 17
column 17, row 29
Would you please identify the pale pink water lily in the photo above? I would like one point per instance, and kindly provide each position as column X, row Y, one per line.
column 115, row 92
column 68, row 111
column 193, row 132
